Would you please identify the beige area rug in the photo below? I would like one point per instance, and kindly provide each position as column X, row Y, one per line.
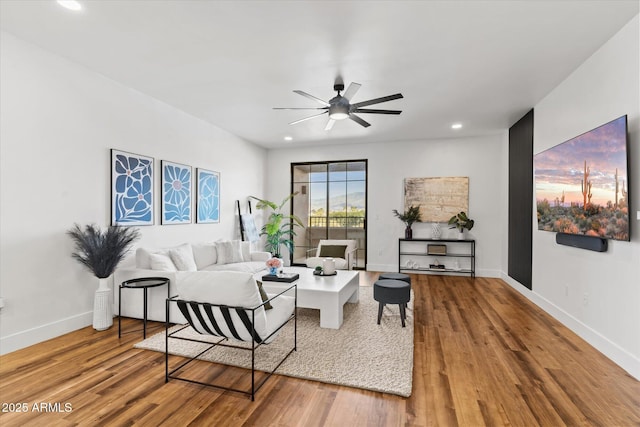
column 360, row 354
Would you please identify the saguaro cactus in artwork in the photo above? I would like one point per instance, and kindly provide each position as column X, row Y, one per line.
column 617, row 189
column 585, row 185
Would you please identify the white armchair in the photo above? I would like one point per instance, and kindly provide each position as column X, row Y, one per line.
column 229, row 306
column 344, row 252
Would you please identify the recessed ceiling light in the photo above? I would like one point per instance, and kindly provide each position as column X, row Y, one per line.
column 288, row 138
column 70, row 4
column 456, row 126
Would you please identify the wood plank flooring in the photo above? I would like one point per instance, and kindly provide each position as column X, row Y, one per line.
column 484, row 356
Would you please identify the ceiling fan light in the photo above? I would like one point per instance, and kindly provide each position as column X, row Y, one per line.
column 338, row 112
column 339, row 116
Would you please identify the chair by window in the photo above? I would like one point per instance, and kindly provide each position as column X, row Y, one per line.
column 344, row 252
column 231, row 306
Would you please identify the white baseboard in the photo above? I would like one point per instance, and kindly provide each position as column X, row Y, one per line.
column 42, row 333
column 383, row 268
column 613, row 351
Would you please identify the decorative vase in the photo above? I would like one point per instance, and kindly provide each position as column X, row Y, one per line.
column 436, row 231
column 273, row 271
column 102, row 308
column 329, row 266
column 461, row 234
column 408, row 232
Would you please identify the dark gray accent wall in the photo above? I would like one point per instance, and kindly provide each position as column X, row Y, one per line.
column 521, row 199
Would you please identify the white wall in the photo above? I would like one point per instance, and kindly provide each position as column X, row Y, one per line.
column 58, row 121
column 605, row 87
column 481, row 159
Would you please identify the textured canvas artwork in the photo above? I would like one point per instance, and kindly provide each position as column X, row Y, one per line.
column 249, row 226
column 176, row 193
column 208, row 209
column 131, row 189
column 439, row 198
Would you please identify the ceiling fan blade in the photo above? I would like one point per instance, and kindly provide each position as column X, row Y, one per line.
column 307, row 118
column 377, row 100
column 299, row 92
column 376, row 111
column 351, row 90
column 359, row 120
column 329, row 124
column 300, row 108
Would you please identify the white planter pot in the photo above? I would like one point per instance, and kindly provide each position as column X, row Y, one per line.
column 102, row 307
column 461, row 235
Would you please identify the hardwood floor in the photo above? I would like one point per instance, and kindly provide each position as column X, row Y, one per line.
column 484, row 355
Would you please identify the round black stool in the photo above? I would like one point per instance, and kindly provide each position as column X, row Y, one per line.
column 389, row 291
column 396, row 276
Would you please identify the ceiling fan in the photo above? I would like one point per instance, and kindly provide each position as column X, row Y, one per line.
column 340, row 108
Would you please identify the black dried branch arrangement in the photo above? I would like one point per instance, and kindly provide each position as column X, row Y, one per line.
column 101, row 252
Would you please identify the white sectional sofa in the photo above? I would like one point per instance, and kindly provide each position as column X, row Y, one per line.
column 175, row 262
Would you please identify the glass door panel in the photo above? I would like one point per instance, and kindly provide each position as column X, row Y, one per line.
column 332, row 203
column 301, row 209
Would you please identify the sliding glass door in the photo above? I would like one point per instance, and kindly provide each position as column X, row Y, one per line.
column 332, row 203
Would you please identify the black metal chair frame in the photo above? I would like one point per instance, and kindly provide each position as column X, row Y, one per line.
column 254, row 344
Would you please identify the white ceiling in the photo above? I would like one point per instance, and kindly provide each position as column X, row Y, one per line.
column 481, row 63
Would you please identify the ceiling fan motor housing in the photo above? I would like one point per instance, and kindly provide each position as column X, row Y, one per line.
column 339, row 108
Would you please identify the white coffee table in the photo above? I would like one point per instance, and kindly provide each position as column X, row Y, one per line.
column 325, row 293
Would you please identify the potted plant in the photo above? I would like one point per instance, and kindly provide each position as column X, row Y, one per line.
column 101, row 252
column 461, row 221
column 278, row 227
column 409, row 216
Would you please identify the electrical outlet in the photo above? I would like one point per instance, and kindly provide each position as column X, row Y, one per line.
column 585, row 299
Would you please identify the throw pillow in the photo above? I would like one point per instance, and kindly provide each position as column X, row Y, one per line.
column 225, row 252
column 264, row 296
column 204, row 254
column 182, row 257
column 142, row 258
column 161, row 262
column 228, row 252
column 333, row 251
column 245, row 249
column 237, row 251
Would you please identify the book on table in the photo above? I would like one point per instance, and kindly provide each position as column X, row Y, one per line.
column 281, row 277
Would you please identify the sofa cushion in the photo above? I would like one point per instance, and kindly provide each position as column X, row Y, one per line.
column 283, row 307
column 228, row 252
column 333, row 251
column 204, row 254
column 229, row 288
column 313, row 262
column 182, row 257
column 142, row 258
column 245, row 250
column 247, row 267
column 161, row 262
